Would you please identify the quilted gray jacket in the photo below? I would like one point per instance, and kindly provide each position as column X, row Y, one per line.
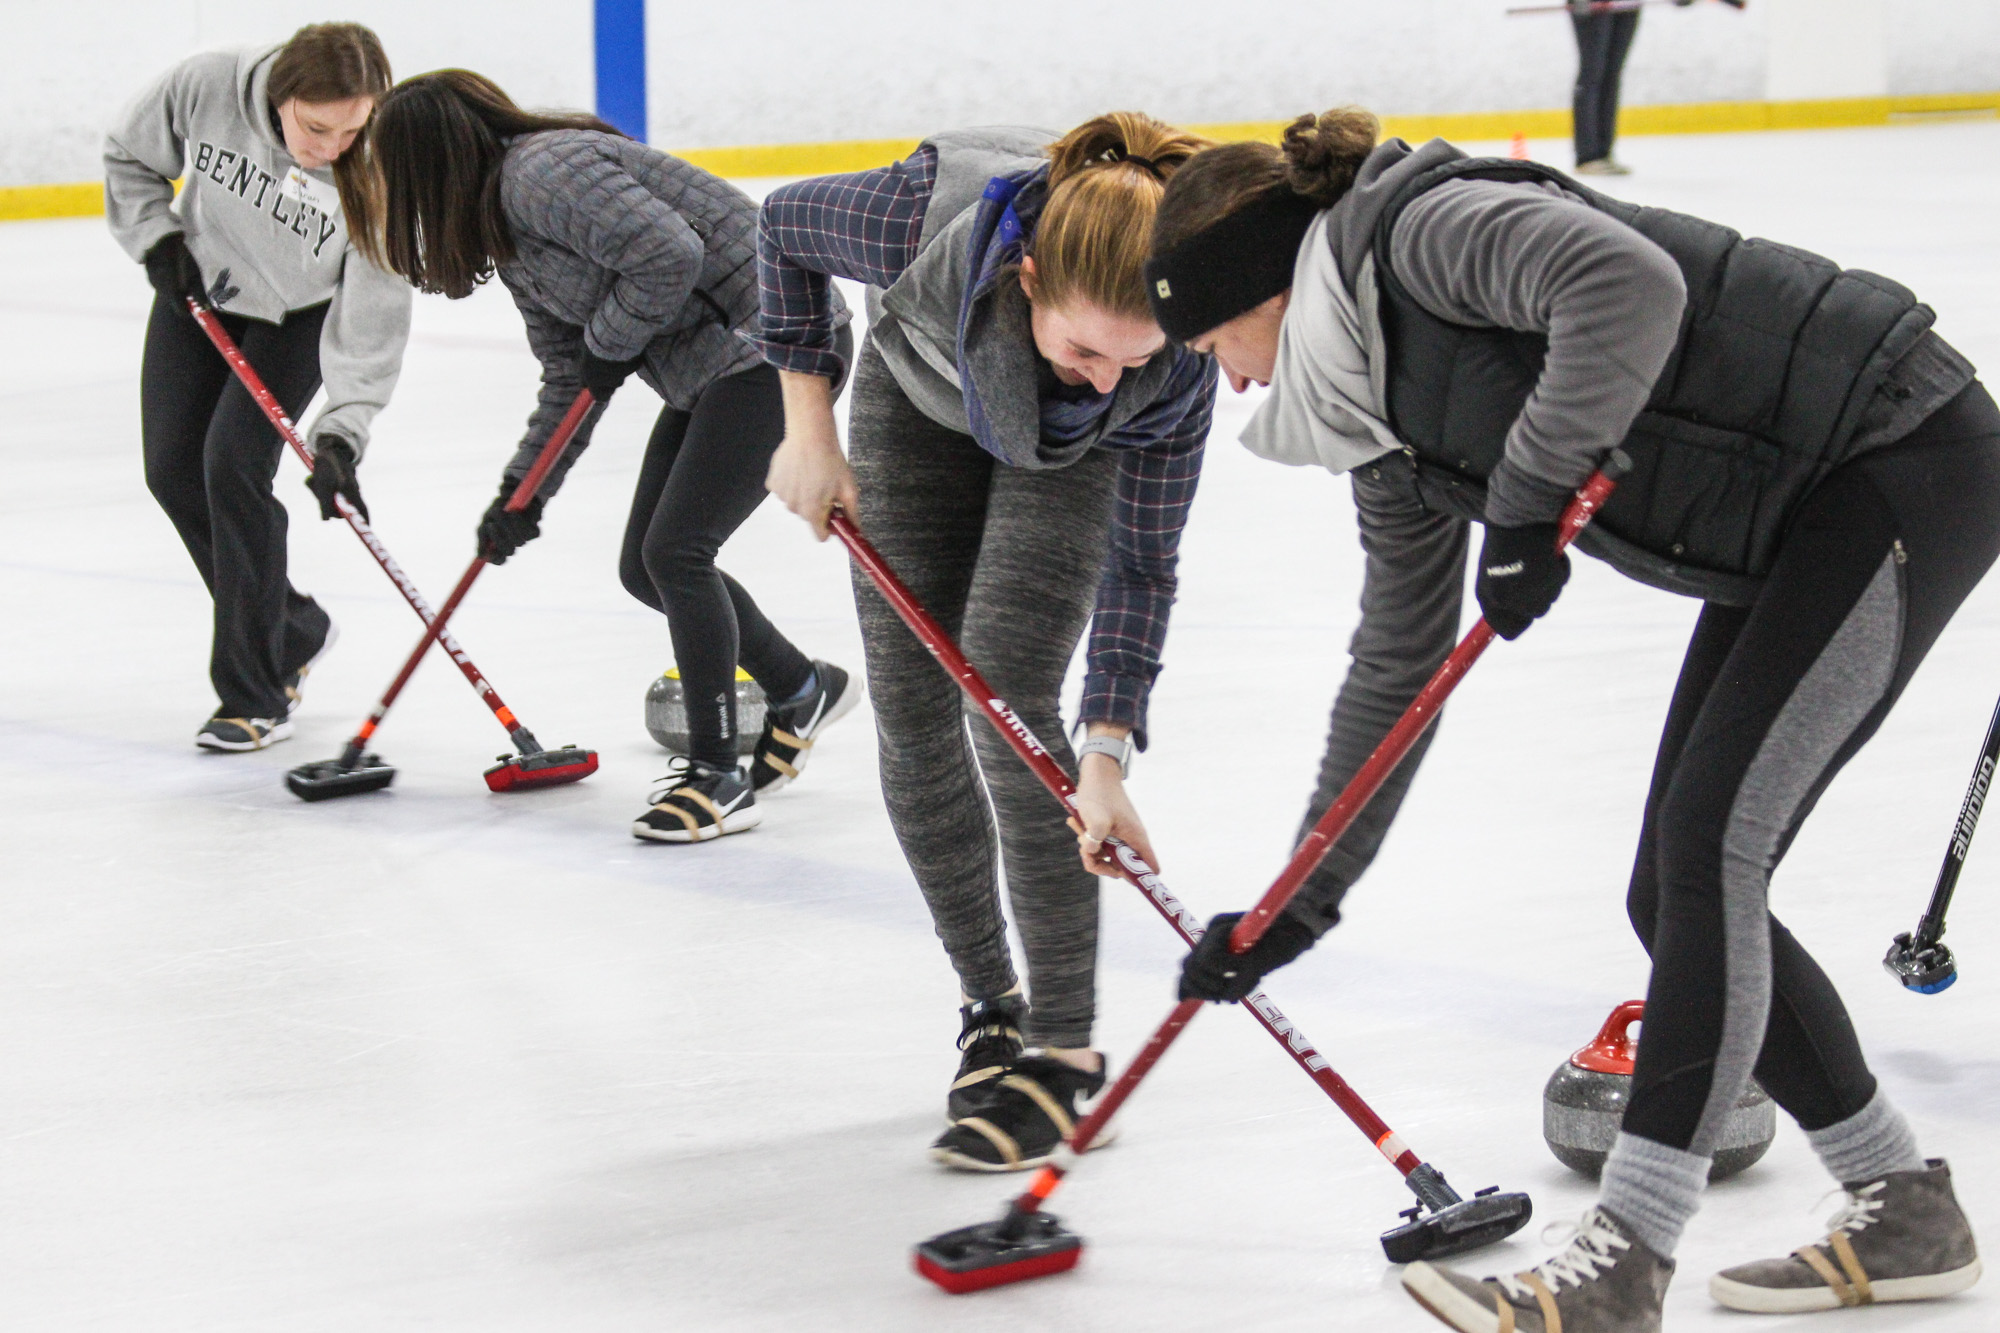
column 627, row 251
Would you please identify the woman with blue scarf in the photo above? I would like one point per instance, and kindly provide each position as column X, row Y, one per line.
column 1024, row 447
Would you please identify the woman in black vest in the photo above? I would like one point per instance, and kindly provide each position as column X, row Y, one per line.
column 1469, row 340
column 622, row 260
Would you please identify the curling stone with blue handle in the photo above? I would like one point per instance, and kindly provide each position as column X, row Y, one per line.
column 1585, row 1099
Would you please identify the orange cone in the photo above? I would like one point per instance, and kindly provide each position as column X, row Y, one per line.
column 1519, row 152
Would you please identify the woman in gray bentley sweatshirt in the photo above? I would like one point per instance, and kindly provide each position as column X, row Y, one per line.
column 622, row 260
column 260, row 140
column 1468, row 339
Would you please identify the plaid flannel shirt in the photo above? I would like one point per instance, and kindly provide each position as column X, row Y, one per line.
column 866, row 226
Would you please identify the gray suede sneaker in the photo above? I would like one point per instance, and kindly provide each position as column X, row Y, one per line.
column 1605, row 1282
column 1900, row 1238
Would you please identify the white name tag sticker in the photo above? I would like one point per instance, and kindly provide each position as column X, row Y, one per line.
column 303, row 188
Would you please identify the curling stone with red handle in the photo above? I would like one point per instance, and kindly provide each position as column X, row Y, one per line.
column 1585, row 1098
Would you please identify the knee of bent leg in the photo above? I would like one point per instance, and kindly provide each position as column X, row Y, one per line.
column 634, row 578
column 679, row 561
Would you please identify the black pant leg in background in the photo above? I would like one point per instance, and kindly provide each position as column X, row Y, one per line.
column 703, row 475
column 1602, row 42
column 210, row 459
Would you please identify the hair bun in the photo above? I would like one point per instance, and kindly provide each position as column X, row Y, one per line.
column 1324, row 152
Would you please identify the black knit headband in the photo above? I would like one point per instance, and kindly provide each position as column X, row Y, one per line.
column 1234, row 265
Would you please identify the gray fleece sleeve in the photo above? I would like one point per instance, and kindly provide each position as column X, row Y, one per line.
column 1610, row 301
column 1411, row 594
column 143, row 157
column 361, row 349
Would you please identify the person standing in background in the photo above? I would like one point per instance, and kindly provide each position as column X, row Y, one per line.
column 1604, row 30
column 1603, row 37
column 260, row 141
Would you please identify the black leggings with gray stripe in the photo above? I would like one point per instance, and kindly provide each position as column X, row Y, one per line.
column 1008, row 561
column 1773, row 699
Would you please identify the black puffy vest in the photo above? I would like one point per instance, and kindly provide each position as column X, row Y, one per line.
column 1778, row 354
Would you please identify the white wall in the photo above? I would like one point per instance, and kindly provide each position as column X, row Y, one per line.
column 70, row 64
column 803, row 70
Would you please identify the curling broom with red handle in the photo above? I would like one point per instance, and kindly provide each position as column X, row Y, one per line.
column 1026, row 1242
column 357, row 771
column 1453, row 1224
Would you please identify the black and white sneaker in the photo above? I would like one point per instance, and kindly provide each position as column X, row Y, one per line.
column 296, row 682
column 791, row 730
column 243, row 733
column 1019, row 1121
column 989, row 1043
column 698, row 803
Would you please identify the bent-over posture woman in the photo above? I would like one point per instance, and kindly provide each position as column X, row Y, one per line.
column 1024, row 448
column 1468, row 339
column 262, row 143
column 622, row 258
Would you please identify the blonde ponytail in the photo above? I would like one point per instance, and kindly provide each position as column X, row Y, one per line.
column 1106, row 177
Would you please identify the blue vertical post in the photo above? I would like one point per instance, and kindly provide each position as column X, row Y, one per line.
column 621, row 65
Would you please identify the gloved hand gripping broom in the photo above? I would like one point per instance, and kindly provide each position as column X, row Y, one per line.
column 1028, row 1243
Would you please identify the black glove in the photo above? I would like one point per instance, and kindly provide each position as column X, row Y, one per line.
column 1520, row 573
column 1211, row 972
column 174, row 274
column 334, row 459
column 501, row 533
column 603, row 377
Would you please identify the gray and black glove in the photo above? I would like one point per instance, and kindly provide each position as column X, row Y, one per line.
column 502, row 533
column 1211, row 972
column 1520, row 574
column 334, row 462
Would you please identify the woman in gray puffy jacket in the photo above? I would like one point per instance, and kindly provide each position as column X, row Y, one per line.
column 622, row 259
column 1469, row 339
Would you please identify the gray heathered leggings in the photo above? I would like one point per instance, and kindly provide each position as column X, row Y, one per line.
column 1008, row 560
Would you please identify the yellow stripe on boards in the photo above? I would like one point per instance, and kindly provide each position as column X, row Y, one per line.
column 86, row 198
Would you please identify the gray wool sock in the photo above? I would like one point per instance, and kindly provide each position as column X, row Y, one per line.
column 1653, row 1189
column 1868, row 1144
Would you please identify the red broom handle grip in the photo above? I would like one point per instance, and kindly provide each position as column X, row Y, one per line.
column 1361, row 789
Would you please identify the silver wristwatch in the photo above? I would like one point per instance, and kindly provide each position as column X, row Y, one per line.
column 1118, row 747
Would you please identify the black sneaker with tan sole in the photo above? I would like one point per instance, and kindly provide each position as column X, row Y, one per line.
column 698, row 803
column 989, row 1043
column 1021, row 1119
column 791, row 730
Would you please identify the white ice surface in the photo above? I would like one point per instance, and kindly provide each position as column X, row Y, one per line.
column 441, row 1059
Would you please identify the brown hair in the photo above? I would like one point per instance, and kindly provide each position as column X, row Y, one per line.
column 429, row 208
column 332, row 62
column 1317, row 159
column 1105, row 181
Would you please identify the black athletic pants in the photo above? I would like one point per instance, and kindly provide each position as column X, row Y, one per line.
column 1602, row 41
column 702, row 477
column 210, row 460
column 1773, row 699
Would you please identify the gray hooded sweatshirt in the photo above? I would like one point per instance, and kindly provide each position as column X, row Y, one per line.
column 248, row 208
